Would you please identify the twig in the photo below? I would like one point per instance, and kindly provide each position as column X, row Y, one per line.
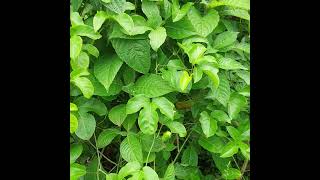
column 179, row 150
column 243, row 168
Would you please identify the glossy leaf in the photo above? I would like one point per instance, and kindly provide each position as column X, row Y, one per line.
column 165, row 106
column 149, row 173
column 106, row 137
column 75, row 46
column 157, row 37
column 148, row 119
column 106, row 69
column 118, row 114
column 190, row 156
column 86, row 126
column 137, row 102
column 209, row 125
column 130, row 149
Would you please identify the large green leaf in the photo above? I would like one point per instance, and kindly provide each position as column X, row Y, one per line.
column 233, row 132
column 135, row 103
column 106, row 137
column 130, row 149
column 212, row 72
column 190, row 156
column 231, row 173
column 81, row 63
column 230, row 64
column 91, row 105
column 149, row 173
column 185, row 79
column 136, row 53
column 73, row 123
column 128, row 25
column 87, row 125
column 243, row 4
column 129, row 122
column 151, row 10
column 240, row 13
column 220, row 116
column 75, row 152
column 76, row 171
column 151, row 86
column 99, row 18
column 206, row 24
column 75, row 46
column 106, row 69
column 222, row 94
column 225, row 39
column 229, row 149
column 235, row 104
column 213, row 144
column 85, row 30
column 181, row 29
column 129, row 169
column 178, row 13
column 209, row 125
column 148, row 119
column 177, row 127
column 84, row 85
column 157, row 37
column 147, row 141
column 91, row 49
column 118, row 114
column 170, row 173
column 166, row 107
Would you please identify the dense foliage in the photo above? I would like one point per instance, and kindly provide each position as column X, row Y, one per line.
column 159, row 89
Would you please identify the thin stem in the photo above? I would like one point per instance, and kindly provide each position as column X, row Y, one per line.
column 154, row 137
column 179, row 150
column 103, row 155
column 99, row 163
column 243, row 168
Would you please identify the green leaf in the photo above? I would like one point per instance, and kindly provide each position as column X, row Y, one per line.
column 117, row 6
column 190, row 156
column 84, row 85
column 129, row 169
column 99, row 18
column 151, row 10
column 75, row 152
column 220, row 116
column 151, row 86
column 206, row 24
column 76, row 171
column 87, row 125
column 225, row 39
column 149, row 173
column 147, row 141
column 106, row 69
column 91, row 50
column 194, row 51
column 127, row 23
column 222, row 94
column 91, row 105
column 157, row 37
column 75, row 46
column 177, row 127
column 129, row 121
column 106, row 137
column 118, row 114
column 231, row 173
column 229, row 149
column 170, row 173
column 136, row 53
column 213, row 144
column 181, row 29
column 73, row 123
column 84, row 30
column 212, row 72
column 185, row 79
column 73, row 107
column 76, row 19
column 93, row 170
column 209, row 125
column 178, row 13
column 245, row 75
column 235, row 104
column 166, row 107
column 130, row 149
column 230, row 64
column 136, row 176
column 129, row 75
column 245, row 150
column 240, row 13
column 148, row 119
column 243, row 4
column 112, row 176
column 233, row 132
column 197, row 74
column 166, row 9
column 136, row 103
column 81, row 63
